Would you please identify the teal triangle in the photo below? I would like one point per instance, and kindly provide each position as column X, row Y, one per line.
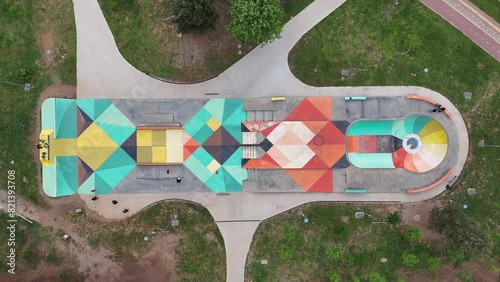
column 101, row 187
column 192, row 126
column 113, row 176
column 420, row 123
column 119, row 158
column 235, row 158
column 235, row 131
column 65, row 118
column 231, row 106
column 67, row 175
column 87, row 106
column 215, row 107
column 203, row 156
column 118, row 133
column 197, row 168
column 111, row 115
column 203, row 115
column 238, row 173
column 216, row 182
column 203, row 134
column 100, row 106
column 87, row 186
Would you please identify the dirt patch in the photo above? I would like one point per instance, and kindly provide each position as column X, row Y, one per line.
column 157, row 263
column 417, row 214
column 345, row 219
column 448, row 273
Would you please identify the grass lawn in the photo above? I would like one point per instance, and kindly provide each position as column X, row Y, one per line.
column 332, row 241
column 490, row 7
column 152, row 45
column 26, row 27
column 375, row 41
column 200, row 250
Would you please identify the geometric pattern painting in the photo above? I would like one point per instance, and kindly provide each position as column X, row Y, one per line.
column 104, row 150
column 417, row 144
column 307, row 145
column 212, row 148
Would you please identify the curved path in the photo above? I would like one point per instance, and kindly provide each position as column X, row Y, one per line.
column 103, row 73
column 467, row 18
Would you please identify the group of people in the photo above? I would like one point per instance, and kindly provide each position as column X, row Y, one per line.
column 439, row 108
column 114, row 202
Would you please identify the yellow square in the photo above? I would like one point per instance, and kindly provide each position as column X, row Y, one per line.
column 159, row 138
column 144, row 137
column 144, row 155
column 213, row 124
column 159, row 155
column 213, row 166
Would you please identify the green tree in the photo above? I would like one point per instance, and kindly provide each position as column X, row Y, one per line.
column 410, row 259
column 194, row 15
column 394, row 218
column 259, row 21
column 412, row 234
column 333, row 276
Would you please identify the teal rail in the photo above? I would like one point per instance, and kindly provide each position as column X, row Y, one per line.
column 357, row 191
column 355, row 98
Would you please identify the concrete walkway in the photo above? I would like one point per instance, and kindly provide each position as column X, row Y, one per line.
column 103, row 73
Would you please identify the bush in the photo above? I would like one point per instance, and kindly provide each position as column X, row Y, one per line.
column 461, row 230
column 410, row 259
column 433, row 263
column 24, row 74
column 376, row 277
column 412, row 234
column 28, row 256
column 194, row 15
column 259, row 21
column 456, row 257
column 285, row 253
column 394, row 218
column 63, row 275
column 333, row 253
column 50, row 258
column 349, row 259
column 288, row 232
column 333, row 276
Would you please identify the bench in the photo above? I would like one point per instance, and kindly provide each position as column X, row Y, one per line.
column 356, row 191
column 355, row 98
column 278, row 99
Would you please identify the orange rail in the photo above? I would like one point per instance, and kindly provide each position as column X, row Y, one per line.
column 428, row 100
column 432, row 185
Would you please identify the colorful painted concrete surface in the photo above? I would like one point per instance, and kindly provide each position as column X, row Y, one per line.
column 417, row 144
column 92, row 146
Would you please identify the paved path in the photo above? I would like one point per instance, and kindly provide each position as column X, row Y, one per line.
column 467, row 18
column 103, row 73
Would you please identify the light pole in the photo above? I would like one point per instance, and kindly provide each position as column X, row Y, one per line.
column 463, row 205
column 426, row 70
column 482, row 145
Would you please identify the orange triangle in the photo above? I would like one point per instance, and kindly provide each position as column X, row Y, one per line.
column 330, row 154
column 305, row 177
column 324, row 183
column 289, row 138
column 191, row 143
column 187, row 153
column 268, row 162
column 323, row 104
column 191, row 149
column 268, row 130
column 305, row 111
column 315, row 126
column 316, row 162
column 253, row 163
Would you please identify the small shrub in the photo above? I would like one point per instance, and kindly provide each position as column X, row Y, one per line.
column 94, row 242
column 6, row 43
column 410, row 259
column 433, row 263
column 376, row 277
column 23, row 73
column 333, row 276
column 341, row 230
column 16, row 12
column 50, row 258
column 394, row 218
column 28, row 256
column 464, row 277
column 349, row 259
column 63, row 275
column 285, row 253
column 307, row 263
column 288, row 232
column 456, row 257
column 412, row 234
column 333, row 253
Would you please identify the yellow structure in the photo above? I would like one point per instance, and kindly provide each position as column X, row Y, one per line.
column 160, row 145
